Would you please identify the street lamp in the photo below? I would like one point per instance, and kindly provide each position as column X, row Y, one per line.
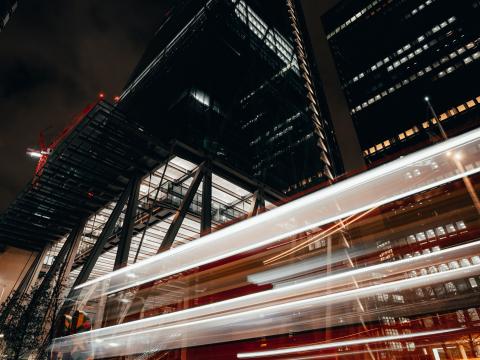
column 432, row 110
column 457, row 157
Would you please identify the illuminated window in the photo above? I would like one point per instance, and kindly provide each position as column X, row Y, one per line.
column 450, row 228
column 388, row 320
column 411, row 239
column 473, row 314
column 386, row 143
column 398, row 299
column 440, row 231
column 465, row 262
column 372, row 150
column 470, row 103
column 401, row 136
column 421, row 236
column 379, row 147
column 382, row 297
column 461, row 108
column 409, row 132
column 478, row 99
column 425, row 125
column 443, row 116
column 428, row 322
column 443, row 267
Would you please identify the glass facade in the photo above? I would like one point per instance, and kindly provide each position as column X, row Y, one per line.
column 427, row 48
column 223, row 76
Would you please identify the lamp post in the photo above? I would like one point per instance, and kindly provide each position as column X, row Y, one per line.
column 432, row 110
column 468, row 183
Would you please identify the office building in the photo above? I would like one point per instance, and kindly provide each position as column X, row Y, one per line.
column 391, row 55
column 233, row 78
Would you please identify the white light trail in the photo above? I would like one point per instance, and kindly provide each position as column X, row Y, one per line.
column 220, row 322
column 364, row 341
column 340, row 279
column 373, row 188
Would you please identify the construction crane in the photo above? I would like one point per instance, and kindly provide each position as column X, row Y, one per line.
column 43, row 151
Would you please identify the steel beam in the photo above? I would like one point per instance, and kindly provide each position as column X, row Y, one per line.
column 206, row 218
column 258, row 203
column 182, row 211
column 123, row 249
column 102, row 239
column 32, row 274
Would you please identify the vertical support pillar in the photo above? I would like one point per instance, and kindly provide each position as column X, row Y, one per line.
column 182, row 211
column 32, row 274
column 123, row 250
column 70, row 246
column 258, row 203
column 101, row 241
column 72, row 252
column 206, row 219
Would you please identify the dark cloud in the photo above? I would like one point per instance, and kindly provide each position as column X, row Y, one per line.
column 55, row 57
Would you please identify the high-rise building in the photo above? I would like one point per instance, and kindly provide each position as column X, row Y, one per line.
column 233, row 78
column 391, row 55
column 7, row 8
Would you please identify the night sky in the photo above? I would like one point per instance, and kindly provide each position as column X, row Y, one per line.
column 57, row 55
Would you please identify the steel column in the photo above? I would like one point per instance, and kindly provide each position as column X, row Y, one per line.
column 32, row 274
column 123, row 249
column 258, row 203
column 182, row 211
column 206, row 218
column 102, row 239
